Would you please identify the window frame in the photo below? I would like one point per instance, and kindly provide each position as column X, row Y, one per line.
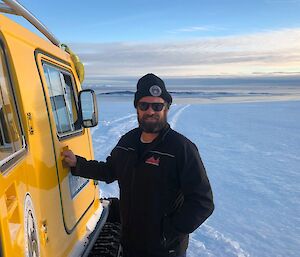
column 15, row 156
column 63, row 71
column 5, row 144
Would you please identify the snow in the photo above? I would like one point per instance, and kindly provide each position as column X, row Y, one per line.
column 251, row 152
column 90, row 227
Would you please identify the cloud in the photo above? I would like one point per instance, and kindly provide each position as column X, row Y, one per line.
column 268, row 52
column 193, row 29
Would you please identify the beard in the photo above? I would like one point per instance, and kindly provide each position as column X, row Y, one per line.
column 155, row 125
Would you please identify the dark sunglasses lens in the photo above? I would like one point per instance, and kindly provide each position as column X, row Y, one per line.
column 157, row 107
column 143, row 106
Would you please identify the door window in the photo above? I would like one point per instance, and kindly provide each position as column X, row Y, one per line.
column 62, row 97
column 11, row 138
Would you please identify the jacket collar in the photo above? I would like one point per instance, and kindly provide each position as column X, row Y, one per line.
column 156, row 141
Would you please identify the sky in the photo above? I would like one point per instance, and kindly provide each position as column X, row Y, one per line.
column 177, row 39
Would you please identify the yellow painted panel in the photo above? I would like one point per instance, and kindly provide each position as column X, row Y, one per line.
column 39, row 172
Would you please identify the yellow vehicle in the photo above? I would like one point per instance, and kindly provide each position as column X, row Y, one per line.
column 44, row 210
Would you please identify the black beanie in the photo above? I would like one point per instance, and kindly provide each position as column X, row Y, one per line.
column 151, row 85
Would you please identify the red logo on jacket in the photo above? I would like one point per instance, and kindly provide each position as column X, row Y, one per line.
column 153, row 161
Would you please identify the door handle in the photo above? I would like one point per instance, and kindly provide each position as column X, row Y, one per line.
column 64, row 148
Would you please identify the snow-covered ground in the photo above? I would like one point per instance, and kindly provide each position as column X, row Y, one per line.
column 252, row 156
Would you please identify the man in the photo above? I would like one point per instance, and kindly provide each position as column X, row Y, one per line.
column 164, row 190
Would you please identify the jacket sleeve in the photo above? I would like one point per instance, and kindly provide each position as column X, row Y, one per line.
column 197, row 194
column 104, row 171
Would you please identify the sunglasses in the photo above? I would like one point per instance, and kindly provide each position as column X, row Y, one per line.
column 157, row 107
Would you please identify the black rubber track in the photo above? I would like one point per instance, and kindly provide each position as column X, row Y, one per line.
column 108, row 242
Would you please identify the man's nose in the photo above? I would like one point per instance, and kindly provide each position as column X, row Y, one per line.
column 150, row 110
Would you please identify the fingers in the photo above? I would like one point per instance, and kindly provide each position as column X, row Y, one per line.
column 67, row 153
column 69, row 158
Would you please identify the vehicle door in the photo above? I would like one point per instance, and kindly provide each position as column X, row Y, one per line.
column 61, row 96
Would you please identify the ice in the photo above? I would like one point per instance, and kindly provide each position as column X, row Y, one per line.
column 176, row 116
column 251, row 152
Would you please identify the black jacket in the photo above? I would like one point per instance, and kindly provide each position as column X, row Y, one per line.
column 164, row 191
